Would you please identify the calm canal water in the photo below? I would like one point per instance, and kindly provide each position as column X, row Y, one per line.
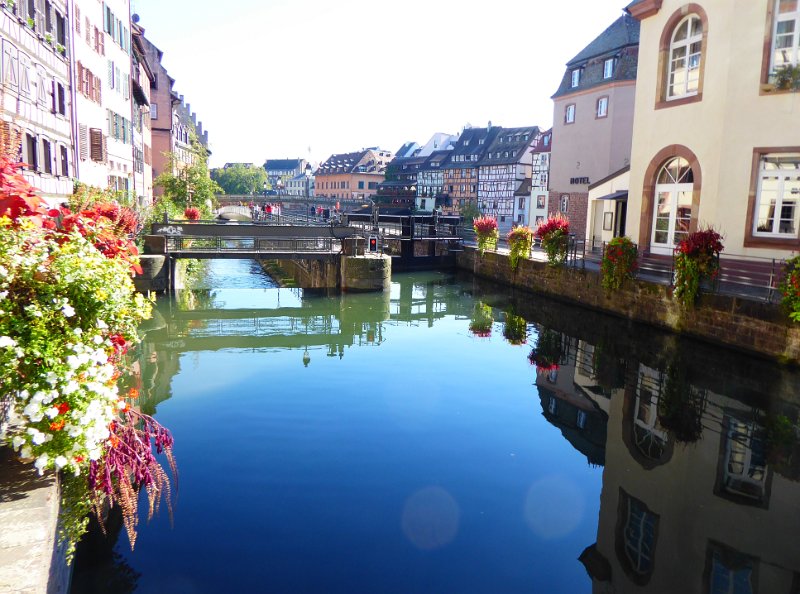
column 453, row 437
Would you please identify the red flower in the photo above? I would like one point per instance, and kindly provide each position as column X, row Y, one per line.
column 57, row 425
column 62, row 407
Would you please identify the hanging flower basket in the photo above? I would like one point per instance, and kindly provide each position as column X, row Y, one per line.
column 486, row 232
column 554, row 235
column 546, row 354
column 520, row 240
column 619, row 263
column 191, row 214
column 482, row 320
column 696, row 259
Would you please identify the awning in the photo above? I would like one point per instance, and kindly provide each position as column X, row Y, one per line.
column 622, row 196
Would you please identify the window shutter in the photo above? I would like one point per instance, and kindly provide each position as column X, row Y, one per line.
column 77, row 19
column 105, row 149
column 54, row 96
column 96, row 144
column 117, row 81
column 83, row 142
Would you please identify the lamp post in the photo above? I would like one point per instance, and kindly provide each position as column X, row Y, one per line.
column 308, row 187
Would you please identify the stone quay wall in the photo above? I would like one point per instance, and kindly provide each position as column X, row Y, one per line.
column 762, row 329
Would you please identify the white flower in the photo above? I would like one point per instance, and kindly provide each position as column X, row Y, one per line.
column 52, row 378
column 68, row 310
column 51, row 413
column 7, row 341
column 26, row 452
column 34, row 412
column 17, row 442
column 97, row 339
column 37, row 437
column 73, row 362
column 60, row 461
column 41, row 462
column 101, row 324
column 78, row 331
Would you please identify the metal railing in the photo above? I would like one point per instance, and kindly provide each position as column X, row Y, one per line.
column 254, row 244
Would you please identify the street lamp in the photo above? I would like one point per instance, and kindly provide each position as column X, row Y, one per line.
column 308, row 188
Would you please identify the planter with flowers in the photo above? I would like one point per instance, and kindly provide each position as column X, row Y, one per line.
column 481, row 322
column 69, row 313
column 554, row 235
column 790, row 288
column 696, row 259
column 486, row 232
column 547, row 352
column 520, row 240
column 619, row 263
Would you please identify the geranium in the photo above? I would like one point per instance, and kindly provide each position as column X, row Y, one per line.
column 192, row 213
column 486, row 232
column 619, row 263
column 554, row 235
column 696, row 257
column 520, row 240
column 790, row 288
column 69, row 309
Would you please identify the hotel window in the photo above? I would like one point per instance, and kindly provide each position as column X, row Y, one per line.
column 785, row 35
column 685, row 53
column 777, row 212
column 564, row 203
column 576, row 78
column 602, row 107
column 608, row 68
column 569, row 114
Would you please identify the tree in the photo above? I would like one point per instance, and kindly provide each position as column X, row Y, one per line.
column 240, row 179
column 189, row 184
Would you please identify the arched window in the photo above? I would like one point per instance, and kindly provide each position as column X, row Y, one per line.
column 685, row 51
column 673, row 203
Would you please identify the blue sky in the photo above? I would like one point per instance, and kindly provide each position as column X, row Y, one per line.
column 308, row 78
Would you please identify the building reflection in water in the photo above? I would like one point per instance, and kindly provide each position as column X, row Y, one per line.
column 700, row 489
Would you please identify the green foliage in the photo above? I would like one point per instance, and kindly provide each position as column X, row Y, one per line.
column 681, row 405
column 520, row 240
column 486, row 233
column 515, row 328
column 469, row 212
column 240, row 179
column 554, row 234
column 619, row 263
column 481, row 322
column 73, row 517
column 790, row 288
column 189, row 184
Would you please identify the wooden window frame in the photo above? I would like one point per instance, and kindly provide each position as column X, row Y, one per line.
column 664, row 57
column 597, row 114
column 750, row 238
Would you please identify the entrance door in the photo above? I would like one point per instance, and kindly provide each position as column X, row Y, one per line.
column 673, row 205
column 620, row 212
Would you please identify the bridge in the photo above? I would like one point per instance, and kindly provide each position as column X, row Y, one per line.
column 413, row 242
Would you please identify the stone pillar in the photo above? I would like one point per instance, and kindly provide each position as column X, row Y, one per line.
column 371, row 272
column 155, row 274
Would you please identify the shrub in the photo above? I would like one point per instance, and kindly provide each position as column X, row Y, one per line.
column 520, row 240
column 696, row 258
column 487, row 234
column 554, row 234
column 619, row 263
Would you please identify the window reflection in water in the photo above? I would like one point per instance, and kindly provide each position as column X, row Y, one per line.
column 649, row 437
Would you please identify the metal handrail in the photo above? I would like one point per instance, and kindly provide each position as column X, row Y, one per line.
column 178, row 244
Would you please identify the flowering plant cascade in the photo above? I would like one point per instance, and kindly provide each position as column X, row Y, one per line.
column 547, row 352
column 696, row 257
column 515, row 328
column 520, row 240
column 554, row 234
column 481, row 322
column 486, row 231
column 790, row 288
column 68, row 311
column 619, row 263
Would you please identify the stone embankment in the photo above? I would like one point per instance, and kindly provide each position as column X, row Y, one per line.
column 755, row 327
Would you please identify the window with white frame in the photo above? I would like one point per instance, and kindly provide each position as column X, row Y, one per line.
column 569, row 114
column 785, row 34
column 564, row 203
column 576, row 78
column 608, row 68
column 602, row 107
column 777, row 195
column 685, row 50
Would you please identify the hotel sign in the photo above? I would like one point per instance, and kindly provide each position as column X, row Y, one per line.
column 575, row 181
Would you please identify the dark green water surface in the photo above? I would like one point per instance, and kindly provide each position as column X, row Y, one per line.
column 453, row 437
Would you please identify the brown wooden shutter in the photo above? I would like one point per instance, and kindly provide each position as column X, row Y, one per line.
column 96, row 144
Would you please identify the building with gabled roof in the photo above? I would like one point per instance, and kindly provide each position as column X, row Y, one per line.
column 503, row 172
column 593, row 119
column 460, row 183
column 430, row 182
column 352, row 176
column 540, row 173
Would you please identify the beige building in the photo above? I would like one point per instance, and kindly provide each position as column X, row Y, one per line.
column 717, row 141
column 593, row 119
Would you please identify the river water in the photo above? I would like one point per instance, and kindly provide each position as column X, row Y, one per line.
column 449, row 436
